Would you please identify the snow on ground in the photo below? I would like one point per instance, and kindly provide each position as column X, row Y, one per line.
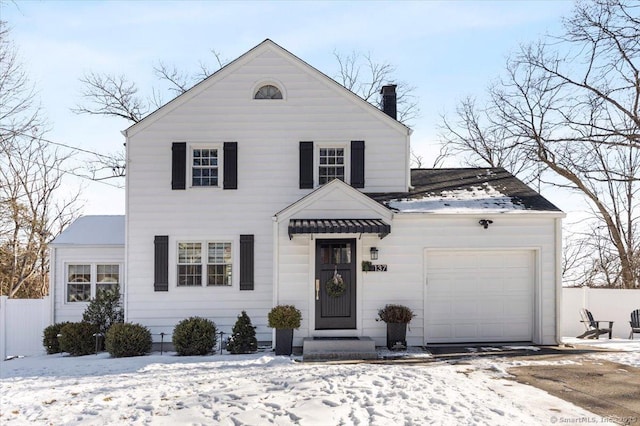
column 264, row 389
column 628, row 351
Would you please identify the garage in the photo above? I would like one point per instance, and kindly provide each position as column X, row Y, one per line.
column 479, row 296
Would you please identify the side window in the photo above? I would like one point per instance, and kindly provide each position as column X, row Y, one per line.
column 204, row 167
column 219, row 264
column 78, row 283
column 331, row 165
column 197, row 267
column 268, row 91
column 107, row 277
column 189, row 264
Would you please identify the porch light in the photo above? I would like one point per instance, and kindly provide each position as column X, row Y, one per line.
column 374, row 253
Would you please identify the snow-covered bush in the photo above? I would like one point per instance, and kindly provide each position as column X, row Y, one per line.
column 194, row 336
column 128, row 339
column 243, row 338
column 78, row 338
column 50, row 337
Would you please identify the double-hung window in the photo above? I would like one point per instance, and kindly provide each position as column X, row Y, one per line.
column 204, row 167
column 86, row 280
column 214, row 257
column 331, row 165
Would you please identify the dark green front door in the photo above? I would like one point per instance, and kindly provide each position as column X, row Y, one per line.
column 335, row 284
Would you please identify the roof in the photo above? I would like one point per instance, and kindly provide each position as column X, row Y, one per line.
column 93, row 231
column 239, row 61
column 338, row 226
column 465, row 190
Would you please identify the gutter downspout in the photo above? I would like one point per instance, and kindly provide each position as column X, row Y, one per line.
column 558, row 278
column 52, row 285
column 276, row 272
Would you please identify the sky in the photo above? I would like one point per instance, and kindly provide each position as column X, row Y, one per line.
column 447, row 50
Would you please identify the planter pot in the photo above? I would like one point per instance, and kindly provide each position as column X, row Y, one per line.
column 284, row 341
column 396, row 336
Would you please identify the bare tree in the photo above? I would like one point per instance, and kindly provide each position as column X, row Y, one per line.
column 571, row 103
column 474, row 135
column 32, row 210
column 364, row 76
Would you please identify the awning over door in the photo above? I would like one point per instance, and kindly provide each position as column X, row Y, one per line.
column 338, row 226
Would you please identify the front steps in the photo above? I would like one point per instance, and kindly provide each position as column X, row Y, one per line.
column 335, row 349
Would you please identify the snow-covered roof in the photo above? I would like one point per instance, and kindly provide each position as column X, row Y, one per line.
column 94, row 231
column 464, row 190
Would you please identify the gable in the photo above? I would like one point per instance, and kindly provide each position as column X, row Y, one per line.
column 268, row 63
column 335, row 200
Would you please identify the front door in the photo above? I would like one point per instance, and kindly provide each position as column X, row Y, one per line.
column 335, row 284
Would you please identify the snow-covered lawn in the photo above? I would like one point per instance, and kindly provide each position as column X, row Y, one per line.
column 264, row 389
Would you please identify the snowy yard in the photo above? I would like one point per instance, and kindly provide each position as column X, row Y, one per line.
column 264, row 389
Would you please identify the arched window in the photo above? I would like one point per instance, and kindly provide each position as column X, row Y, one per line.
column 268, row 91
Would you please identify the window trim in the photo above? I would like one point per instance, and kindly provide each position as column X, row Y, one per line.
column 204, row 262
column 218, row 146
column 268, row 82
column 346, row 149
column 93, row 278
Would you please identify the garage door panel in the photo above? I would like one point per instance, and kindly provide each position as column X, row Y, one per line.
column 479, row 296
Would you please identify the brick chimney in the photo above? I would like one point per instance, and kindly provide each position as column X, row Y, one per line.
column 389, row 104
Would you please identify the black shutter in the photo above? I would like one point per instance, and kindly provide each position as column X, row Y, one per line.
column 357, row 164
column 246, row 262
column 230, row 162
column 306, row 165
column 161, row 263
column 178, row 165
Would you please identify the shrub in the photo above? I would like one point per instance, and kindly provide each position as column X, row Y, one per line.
column 77, row 338
column 128, row 339
column 285, row 316
column 194, row 336
column 104, row 310
column 243, row 338
column 395, row 314
column 50, row 337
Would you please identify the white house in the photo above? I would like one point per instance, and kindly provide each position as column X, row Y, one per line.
column 265, row 180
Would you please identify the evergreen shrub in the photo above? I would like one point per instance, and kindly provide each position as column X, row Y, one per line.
column 50, row 337
column 243, row 338
column 126, row 339
column 194, row 336
column 78, row 338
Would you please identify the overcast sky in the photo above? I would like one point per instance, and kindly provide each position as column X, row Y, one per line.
column 446, row 49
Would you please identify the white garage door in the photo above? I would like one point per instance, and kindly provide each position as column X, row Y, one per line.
column 479, row 296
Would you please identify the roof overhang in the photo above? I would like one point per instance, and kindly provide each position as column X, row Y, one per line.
column 338, row 226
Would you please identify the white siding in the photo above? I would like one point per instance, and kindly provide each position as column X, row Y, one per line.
column 404, row 282
column 268, row 135
column 62, row 256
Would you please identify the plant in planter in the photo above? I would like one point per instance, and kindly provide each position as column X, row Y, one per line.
column 397, row 317
column 284, row 318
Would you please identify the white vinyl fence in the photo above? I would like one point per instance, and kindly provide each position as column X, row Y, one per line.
column 21, row 324
column 606, row 304
column 23, row 320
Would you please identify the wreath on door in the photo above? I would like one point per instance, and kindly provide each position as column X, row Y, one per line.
column 335, row 286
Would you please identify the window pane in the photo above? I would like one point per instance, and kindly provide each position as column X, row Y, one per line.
column 219, row 264
column 108, row 274
column 189, row 264
column 189, row 253
column 78, row 292
column 219, row 275
column 331, row 165
column 79, row 274
column 189, row 275
column 204, row 170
